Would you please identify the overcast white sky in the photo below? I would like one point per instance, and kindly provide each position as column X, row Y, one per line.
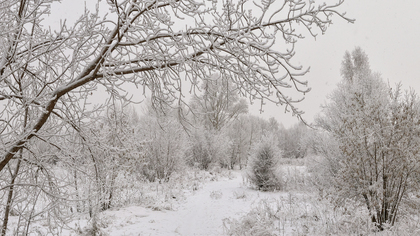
column 388, row 31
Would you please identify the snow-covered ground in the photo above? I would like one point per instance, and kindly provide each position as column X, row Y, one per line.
column 201, row 213
column 209, row 204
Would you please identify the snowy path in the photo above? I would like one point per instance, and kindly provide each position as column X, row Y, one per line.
column 201, row 214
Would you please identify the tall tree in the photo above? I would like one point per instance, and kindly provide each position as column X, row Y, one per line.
column 379, row 138
column 292, row 141
column 219, row 104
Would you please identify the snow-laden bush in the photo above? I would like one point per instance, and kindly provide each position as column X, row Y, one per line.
column 163, row 149
column 307, row 214
column 263, row 171
column 261, row 220
column 198, row 153
column 207, row 148
column 296, row 214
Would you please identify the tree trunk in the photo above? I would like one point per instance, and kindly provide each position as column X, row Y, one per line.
column 10, row 198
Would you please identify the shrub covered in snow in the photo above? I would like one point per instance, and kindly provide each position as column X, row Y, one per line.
column 207, row 148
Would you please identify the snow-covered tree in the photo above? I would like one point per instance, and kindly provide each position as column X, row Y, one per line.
column 241, row 137
column 215, row 109
column 263, row 170
column 113, row 142
column 219, row 104
column 156, row 45
column 379, row 138
column 292, row 141
column 163, row 144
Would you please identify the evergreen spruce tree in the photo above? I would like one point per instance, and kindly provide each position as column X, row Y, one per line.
column 263, row 168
